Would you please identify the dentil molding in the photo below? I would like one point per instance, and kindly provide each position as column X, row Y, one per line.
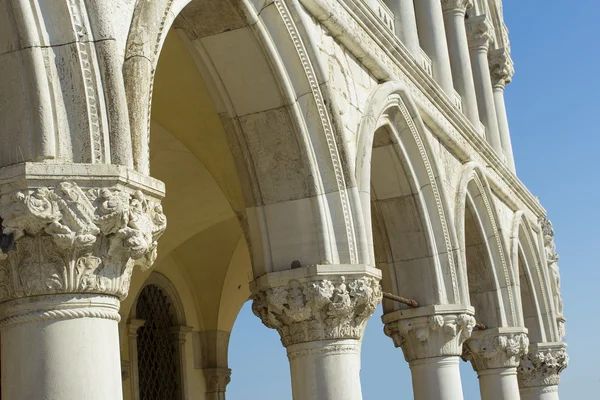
column 64, row 236
column 487, row 350
column 310, row 306
column 542, row 367
column 425, row 336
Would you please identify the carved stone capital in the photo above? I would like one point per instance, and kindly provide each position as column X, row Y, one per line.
column 542, row 366
column 457, row 6
column 502, row 67
column 70, row 231
column 479, row 33
column 317, row 303
column 427, row 332
column 495, row 349
column 217, row 379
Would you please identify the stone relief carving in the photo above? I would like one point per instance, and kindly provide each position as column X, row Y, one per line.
column 495, row 351
column 542, row 367
column 217, row 379
column 479, row 32
column 68, row 239
column 554, row 273
column 318, row 310
column 460, row 5
column 502, row 67
column 432, row 336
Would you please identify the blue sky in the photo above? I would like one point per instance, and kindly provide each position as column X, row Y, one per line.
column 551, row 102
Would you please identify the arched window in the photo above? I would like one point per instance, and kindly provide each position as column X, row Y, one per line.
column 157, row 352
column 157, row 334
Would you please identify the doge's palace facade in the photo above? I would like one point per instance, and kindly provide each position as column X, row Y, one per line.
column 319, row 156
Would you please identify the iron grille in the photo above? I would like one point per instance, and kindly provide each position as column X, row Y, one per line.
column 157, row 357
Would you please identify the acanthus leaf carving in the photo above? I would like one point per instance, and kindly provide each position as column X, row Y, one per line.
column 542, row 367
column 496, row 350
column 318, row 309
column 69, row 239
column 431, row 336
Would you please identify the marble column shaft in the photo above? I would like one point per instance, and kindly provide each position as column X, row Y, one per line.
column 502, row 71
column 460, row 59
column 74, row 241
column 432, row 37
column 320, row 313
column 405, row 24
column 478, row 32
column 431, row 339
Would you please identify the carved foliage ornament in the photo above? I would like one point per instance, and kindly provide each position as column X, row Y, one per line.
column 501, row 68
column 479, row 33
column 457, row 5
column 433, row 336
column 66, row 239
column 496, row 351
column 542, row 368
column 318, row 310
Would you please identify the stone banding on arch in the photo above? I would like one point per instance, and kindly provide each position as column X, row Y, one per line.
column 474, row 192
column 391, row 108
column 285, row 176
column 524, row 247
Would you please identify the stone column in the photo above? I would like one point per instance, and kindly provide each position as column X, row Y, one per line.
column 217, row 380
column 131, row 329
column 458, row 45
column 320, row 312
column 405, row 24
column 539, row 371
column 431, row 338
column 432, row 36
column 478, row 32
column 495, row 355
column 71, row 236
column 502, row 71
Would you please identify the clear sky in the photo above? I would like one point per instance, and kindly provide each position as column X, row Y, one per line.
column 551, row 102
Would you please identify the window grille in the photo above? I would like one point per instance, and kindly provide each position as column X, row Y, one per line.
column 157, row 352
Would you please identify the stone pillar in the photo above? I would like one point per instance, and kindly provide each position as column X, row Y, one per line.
column 217, row 380
column 405, row 24
column 131, row 329
column 320, row 312
column 478, row 32
column 432, row 36
column 458, row 45
column 214, row 363
column 431, row 338
column 71, row 236
column 502, row 71
column 539, row 371
column 495, row 355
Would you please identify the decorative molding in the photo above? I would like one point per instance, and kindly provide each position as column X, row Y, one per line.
column 71, row 239
column 479, row 33
column 328, row 127
column 217, row 379
column 431, row 336
column 502, row 67
column 335, row 349
column 496, row 350
column 542, row 367
column 319, row 309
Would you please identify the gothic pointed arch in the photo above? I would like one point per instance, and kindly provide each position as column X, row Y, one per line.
column 404, row 202
column 294, row 204
column 534, row 295
column 482, row 249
